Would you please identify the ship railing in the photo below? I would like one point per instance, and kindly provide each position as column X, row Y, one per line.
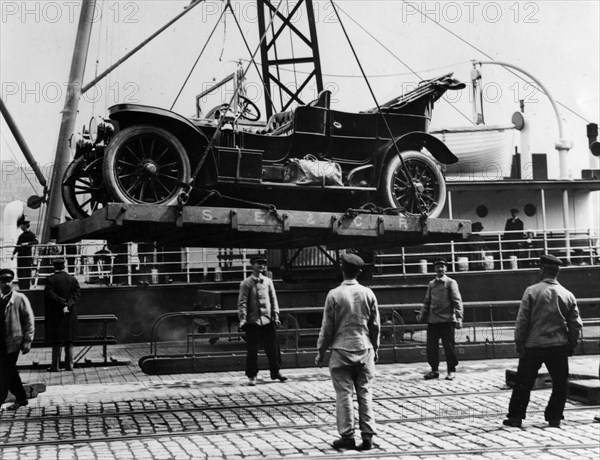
column 488, row 324
column 486, row 251
column 97, row 263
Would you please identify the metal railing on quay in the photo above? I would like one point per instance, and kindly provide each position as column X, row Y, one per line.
column 490, row 323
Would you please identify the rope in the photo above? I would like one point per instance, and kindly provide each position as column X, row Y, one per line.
column 198, row 59
column 383, row 117
column 411, row 4
column 224, row 31
column 17, row 161
column 98, row 54
column 388, row 75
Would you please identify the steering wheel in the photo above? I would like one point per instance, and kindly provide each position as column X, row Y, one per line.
column 248, row 110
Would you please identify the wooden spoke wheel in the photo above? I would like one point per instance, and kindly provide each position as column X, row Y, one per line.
column 393, row 327
column 287, row 332
column 146, row 165
column 422, row 172
column 83, row 189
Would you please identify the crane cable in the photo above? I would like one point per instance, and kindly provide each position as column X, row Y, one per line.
column 413, row 187
column 411, row 4
column 292, row 48
column 98, row 55
column 198, row 59
column 254, row 62
column 274, row 41
column 185, row 193
column 401, row 61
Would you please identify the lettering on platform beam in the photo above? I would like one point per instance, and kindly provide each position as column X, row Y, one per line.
column 207, row 214
column 357, row 221
column 403, row 223
column 259, row 217
column 311, row 218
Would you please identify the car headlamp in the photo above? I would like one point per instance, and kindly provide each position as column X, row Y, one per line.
column 100, row 130
column 78, row 144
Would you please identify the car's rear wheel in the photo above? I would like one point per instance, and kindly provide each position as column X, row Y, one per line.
column 429, row 192
column 83, row 188
column 146, row 165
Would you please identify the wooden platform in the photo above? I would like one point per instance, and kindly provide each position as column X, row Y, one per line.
column 32, row 390
column 585, row 391
column 197, row 226
column 582, row 388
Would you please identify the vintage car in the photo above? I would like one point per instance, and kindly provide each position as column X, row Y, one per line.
column 383, row 156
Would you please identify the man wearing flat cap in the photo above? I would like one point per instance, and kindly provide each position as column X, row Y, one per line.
column 258, row 312
column 351, row 328
column 60, row 300
column 442, row 310
column 547, row 329
column 24, row 253
column 16, row 335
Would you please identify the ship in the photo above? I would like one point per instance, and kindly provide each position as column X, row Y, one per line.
column 142, row 281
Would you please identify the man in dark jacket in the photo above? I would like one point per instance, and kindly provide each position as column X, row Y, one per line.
column 24, row 253
column 442, row 310
column 514, row 226
column 513, row 235
column 16, row 335
column 546, row 332
column 60, row 299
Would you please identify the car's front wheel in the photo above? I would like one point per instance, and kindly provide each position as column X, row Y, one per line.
column 416, row 188
column 83, row 188
column 146, row 165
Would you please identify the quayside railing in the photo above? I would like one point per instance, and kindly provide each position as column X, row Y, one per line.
column 192, row 333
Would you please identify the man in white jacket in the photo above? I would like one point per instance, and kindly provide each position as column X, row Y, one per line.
column 351, row 328
column 16, row 335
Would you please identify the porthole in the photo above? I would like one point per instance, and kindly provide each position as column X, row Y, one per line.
column 530, row 210
column 481, row 210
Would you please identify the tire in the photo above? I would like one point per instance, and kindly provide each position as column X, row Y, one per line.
column 146, row 165
column 83, row 189
column 397, row 192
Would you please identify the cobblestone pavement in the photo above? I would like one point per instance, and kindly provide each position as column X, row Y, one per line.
column 118, row 412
